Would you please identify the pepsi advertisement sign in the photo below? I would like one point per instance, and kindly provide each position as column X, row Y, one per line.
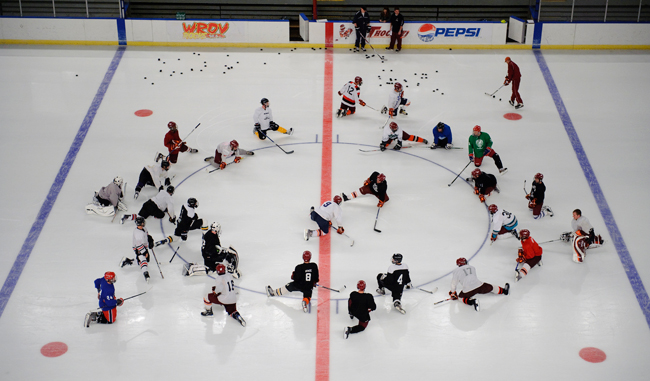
column 428, row 32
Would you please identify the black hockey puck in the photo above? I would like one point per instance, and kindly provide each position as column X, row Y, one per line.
column 493, row 96
column 499, row 99
column 152, row 83
column 145, row 77
column 158, row 59
column 161, row 70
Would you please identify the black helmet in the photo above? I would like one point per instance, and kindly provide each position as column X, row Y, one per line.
column 264, row 101
column 139, row 221
column 164, row 164
column 397, row 258
column 170, row 189
column 192, row 202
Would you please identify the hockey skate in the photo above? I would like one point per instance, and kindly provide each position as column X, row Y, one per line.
column 269, row 291
column 346, row 332
column 496, row 189
column 512, row 103
column 240, row 319
column 209, row 158
column 158, row 156
column 477, row 306
column 194, row 150
column 305, row 305
column 506, row 289
column 520, row 105
column 425, row 141
column 207, row 312
column 338, row 113
column 124, row 218
column 356, row 49
column 363, row 49
column 345, row 197
column 136, row 194
column 503, row 170
column 126, row 262
column 146, row 276
column 289, row 132
column 549, row 210
column 381, row 291
column 307, row 234
column 518, row 276
column 434, row 146
column 403, row 112
column 384, row 110
column 91, row 317
column 164, row 241
column 514, row 232
column 398, row 306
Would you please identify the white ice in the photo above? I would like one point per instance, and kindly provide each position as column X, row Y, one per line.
column 263, row 202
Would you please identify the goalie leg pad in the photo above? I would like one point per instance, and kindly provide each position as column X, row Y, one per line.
column 104, row 211
column 192, row 269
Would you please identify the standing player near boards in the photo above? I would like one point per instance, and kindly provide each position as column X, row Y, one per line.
column 226, row 150
column 263, row 119
column 396, row 102
column 536, row 198
column 465, row 275
column 530, row 254
column 484, row 183
column 157, row 206
column 514, row 76
column 442, row 136
column 502, row 222
column 395, row 280
column 188, row 219
column 361, row 21
column 223, row 293
column 174, row 144
column 142, row 241
column 376, row 185
column 304, row 279
column 397, row 25
column 480, row 145
column 395, row 132
column 327, row 213
column 350, row 93
column 108, row 200
column 359, row 306
column 155, row 175
column 107, row 301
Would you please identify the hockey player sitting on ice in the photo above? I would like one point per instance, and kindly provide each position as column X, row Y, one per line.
column 396, row 101
column 142, row 241
column 108, row 200
column 583, row 238
column 350, row 93
column 502, row 222
column 359, row 306
column 530, row 254
column 442, row 136
column 155, row 175
column 223, row 293
column 159, row 205
column 225, row 150
column 107, row 301
column 263, row 119
column 304, row 279
column 536, row 198
column 480, row 145
column 188, row 219
column 484, row 183
column 375, row 184
column 395, row 280
column 326, row 213
column 465, row 275
column 213, row 254
column 174, row 144
column 395, row 132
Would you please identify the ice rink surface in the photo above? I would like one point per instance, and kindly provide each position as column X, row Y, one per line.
column 51, row 96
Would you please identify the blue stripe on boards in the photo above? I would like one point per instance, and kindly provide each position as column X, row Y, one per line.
column 537, row 35
column 121, row 31
column 50, row 199
column 614, row 232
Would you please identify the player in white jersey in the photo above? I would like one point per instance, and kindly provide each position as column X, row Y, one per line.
column 156, row 207
column 327, row 214
column 396, row 101
column 394, row 132
column 223, row 293
column 583, row 237
column 142, row 241
column 395, row 279
column 465, row 276
column 155, row 175
column 502, row 222
column 350, row 93
column 226, row 150
column 108, row 200
column 263, row 119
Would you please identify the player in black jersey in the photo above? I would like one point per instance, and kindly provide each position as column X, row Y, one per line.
column 359, row 306
column 536, row 198
column 395, row 280
column 188, row 219
column 305, row 278
column 375, row 184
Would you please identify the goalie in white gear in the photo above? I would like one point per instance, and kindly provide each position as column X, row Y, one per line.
column 223, row 293
column 108, row 200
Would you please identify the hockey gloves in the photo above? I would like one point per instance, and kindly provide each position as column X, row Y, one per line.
column 340, row 230
column 382, row 146
column 453, row 295
column 476, row 190
column 520, row 256
column 362, row 103
column 222, row 165
column 172, row 220
column 380, row 204
column 448, row 146
column 237, row 159
column 150, row 239
column 120, row 301
column 398, row 146
column 471, row 157
column 167, row 181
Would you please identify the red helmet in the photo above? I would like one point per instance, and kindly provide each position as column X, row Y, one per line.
column 393, row 126
column 381, row 178
column 306, row 255
column 398, row 86
column 539, row 177
column 507, row 59
column 493, row 208
column 221, row 269
column 361, row 285
column 234, row 145
column 524, row 234
column 461, row 261
column 171, row 125
column 338, row 199
column 476, row 173
column 358, row 81
column 477, row 128
column 110, row 276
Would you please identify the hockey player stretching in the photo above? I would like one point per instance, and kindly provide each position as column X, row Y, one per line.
column 530, row 254
column 480, row 145
column 174, row 144
column 326, row 213
column 396, row 278
column 350, row 93
column 263, row 119
column 304, row 279
column 107, row 301
column 376, row 185
column 108, row 200
column 394, row 132
column 141, row 242
column 359, row 306
column 396, row 101
column 502, row 222
column 536, row 198
column 226, row 150
column 223, row 293
column 465, row 275
column 154, row 175
column 584, row 236
column 484, row 184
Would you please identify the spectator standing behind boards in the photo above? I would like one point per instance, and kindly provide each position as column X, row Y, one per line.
column 514, row 76
column 361, row 21
column 385, row 15
column 397, row 24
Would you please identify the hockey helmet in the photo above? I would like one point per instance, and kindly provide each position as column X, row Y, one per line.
column 393, row 126
column 381, row 178
column 221, row 269
column 306, row 255
column 170, row 189
column 264, row 102
column 337, row 199
column 118, row 181
column 361, row 285
column 539, row 176
column 358, row 81
column 493, row 208
column 461, row 261
column 234, row 145
column 110, row 277
column 477, row 128
column 476, row 173
column 164, row 165
column 171, row 125
column 398, row 86
column 524, row 234
column 192, row 202
column 216, row 227
column 140, row 221
column 440, row 125
column 507, row 59
column 397, row 258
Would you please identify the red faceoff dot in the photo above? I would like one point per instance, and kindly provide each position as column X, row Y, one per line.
column 143, row 113
column 512, row 116
column 592, row 354
column 54, row 349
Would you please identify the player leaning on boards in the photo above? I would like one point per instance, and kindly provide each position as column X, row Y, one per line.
column 327, row 213
column 583, row 236
column 530, row 254
column 395, row 279
column 108, row 200
column 263, row 119
column 480, row 145
column 223, row 293
column 304, row 278
column 107, row 301
column 226, row 150
column 395, row 132
column 350, row 93
column 359, row 306
column 465, row 275
column 376, row 185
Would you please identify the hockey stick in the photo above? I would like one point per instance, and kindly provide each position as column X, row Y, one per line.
column 442, row 301
column 553, row 240
column 376, row 218
column 287, row 152
column 382, row 58
column 384, row 125
column 470, row 162
column 131, row 297
column 175, row 252
column 352, row 244
column 183, row 141
column 372, row 108
column 379, row 149
column 331, row 289
column 218, row 168
column 157, row 263
column 427, row 291
column 114, row 215
column 490, row 95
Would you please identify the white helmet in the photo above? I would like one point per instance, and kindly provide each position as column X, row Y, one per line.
column 118, row 181
column 216, row 227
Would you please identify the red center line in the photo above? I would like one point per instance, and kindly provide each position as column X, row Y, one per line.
column 323, row 317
